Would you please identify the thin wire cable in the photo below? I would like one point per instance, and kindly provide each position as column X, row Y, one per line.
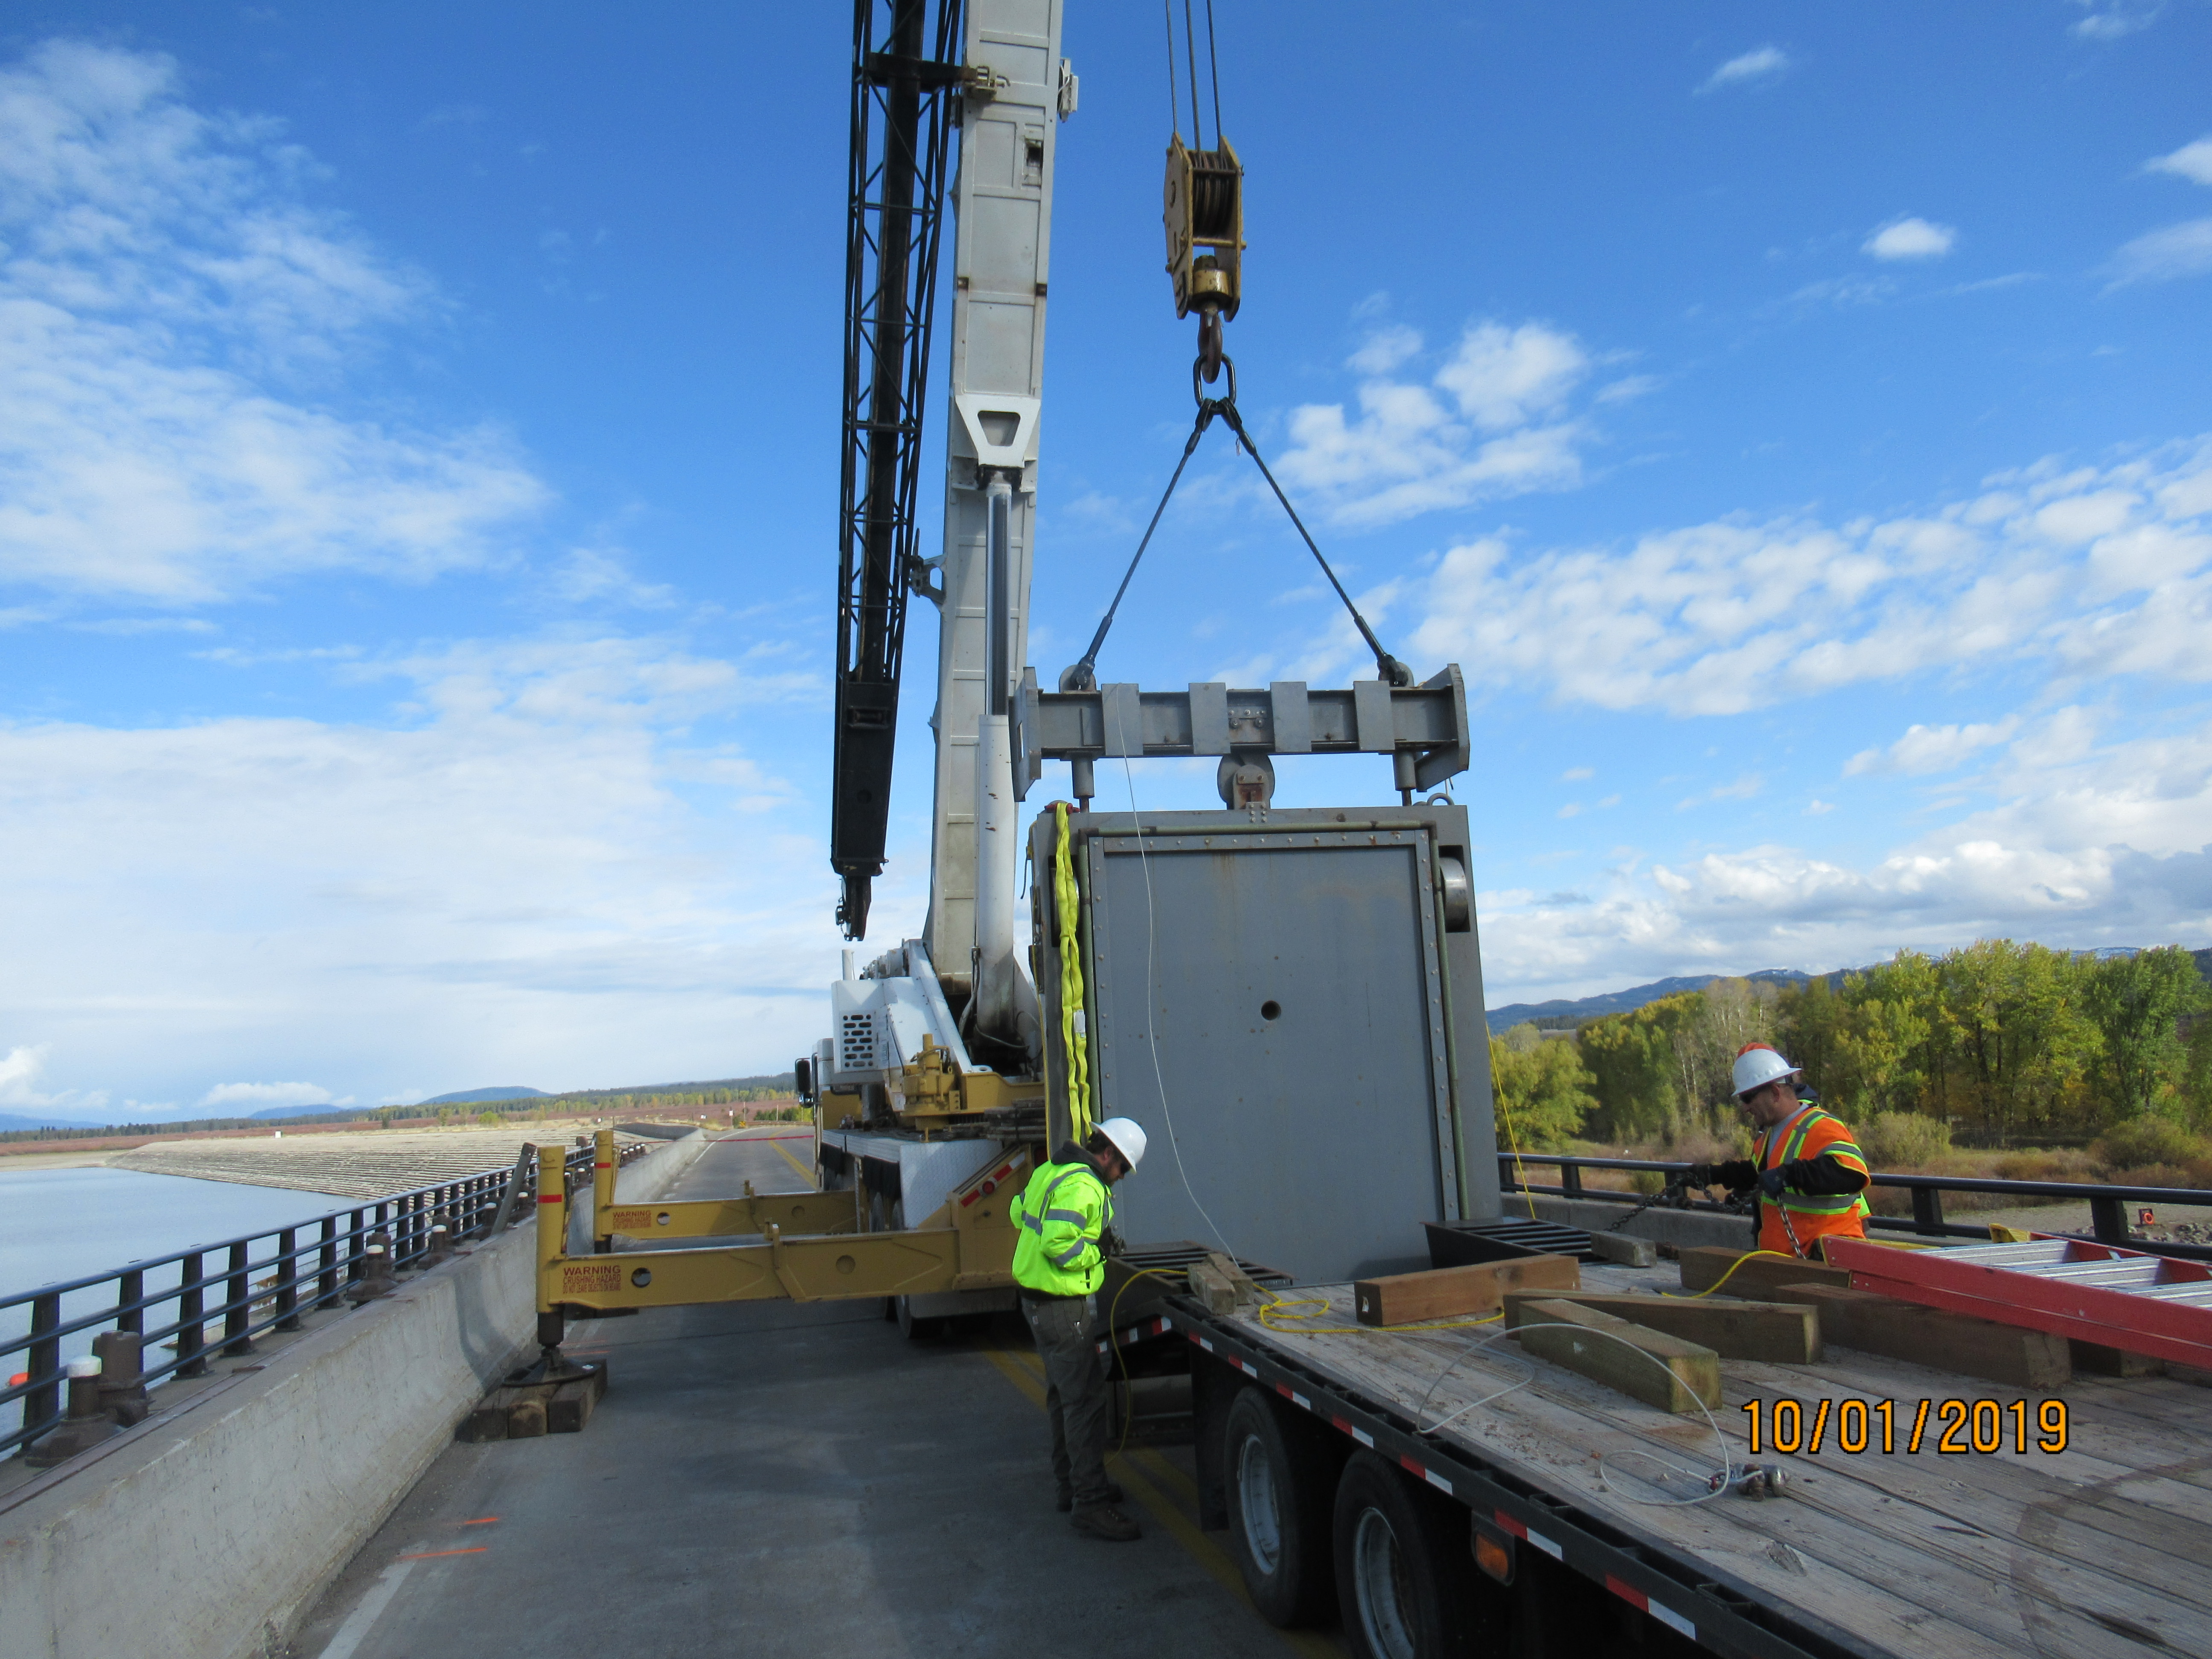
column 1190, row 447
column 1190, row 45
column 1213, row 67
column 1151, row 1037
column 1715, row 1485
column 1389, row 666
column 1175, row 127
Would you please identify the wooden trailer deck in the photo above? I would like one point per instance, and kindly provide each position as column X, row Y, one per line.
column 2102, row 1549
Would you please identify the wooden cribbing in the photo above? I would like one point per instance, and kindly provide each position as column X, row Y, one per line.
column 1221, row 1285
column 1704, row 1266
column 1448, row 1292
column 2010, row 1354
column 1620, row 1247
column 1784, row 1333
column 1620, row 1355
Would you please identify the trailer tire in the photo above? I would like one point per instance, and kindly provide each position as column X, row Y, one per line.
column 1279, row 1496
column 1402, row 1563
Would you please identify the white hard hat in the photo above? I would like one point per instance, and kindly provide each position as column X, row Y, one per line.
column 1757, row 1065
column 1128, row 1138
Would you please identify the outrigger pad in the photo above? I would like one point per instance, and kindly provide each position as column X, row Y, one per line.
column 523, row 1409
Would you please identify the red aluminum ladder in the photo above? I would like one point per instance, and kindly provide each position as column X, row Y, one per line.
column 2144, row 1303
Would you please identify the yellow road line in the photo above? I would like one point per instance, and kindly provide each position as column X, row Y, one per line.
column 804, row 1173
column 1026, row 1372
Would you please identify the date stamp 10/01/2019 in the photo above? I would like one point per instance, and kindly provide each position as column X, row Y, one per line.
column 1953, row 1428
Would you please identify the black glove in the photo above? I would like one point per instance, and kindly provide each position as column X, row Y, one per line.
column 1698, row 1174
column 1771, row 1180
column 1737, row 1175
column 1109, row 1242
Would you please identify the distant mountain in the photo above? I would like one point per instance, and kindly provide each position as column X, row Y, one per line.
column 1619, row 1002
column 1560, row 1013
column 471, row 1097
column 18, row 1120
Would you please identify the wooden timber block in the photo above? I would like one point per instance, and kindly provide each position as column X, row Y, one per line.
column 1783, row 1333
column 1210, row 1286
column 1445, row 1293
column 488, row 1421
column 1621, row 1248
column 1645, row 1365
column 1704, row 1266
column 2011, row 1354
column 2095, row 1359
column 572, row 1403
column 526, row 1412
column 1248, row 1290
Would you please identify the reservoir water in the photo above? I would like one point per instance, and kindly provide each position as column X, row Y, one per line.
column 57, row 1225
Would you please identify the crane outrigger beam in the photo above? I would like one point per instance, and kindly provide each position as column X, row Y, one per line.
column 967, row 1244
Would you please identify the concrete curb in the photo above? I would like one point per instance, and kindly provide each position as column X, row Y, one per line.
column 1676, row 1227
column 211, row 1536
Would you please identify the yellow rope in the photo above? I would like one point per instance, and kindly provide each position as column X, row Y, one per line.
column 1075, row 1044
column 1782, row 1256
column 1520, row 1173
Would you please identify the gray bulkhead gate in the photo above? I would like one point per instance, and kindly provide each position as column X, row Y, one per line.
column 1284, row 1003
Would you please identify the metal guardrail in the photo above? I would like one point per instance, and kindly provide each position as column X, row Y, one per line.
column 2108, row 1204
column 313, row 1263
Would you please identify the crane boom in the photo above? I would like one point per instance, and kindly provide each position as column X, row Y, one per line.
column 1018, row 90
column 902, row 108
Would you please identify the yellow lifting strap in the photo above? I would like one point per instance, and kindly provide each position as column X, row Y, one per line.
column 1073, row 1037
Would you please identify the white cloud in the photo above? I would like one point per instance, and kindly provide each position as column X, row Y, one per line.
column 2093, row 571
column 1577, row 773
column 2161, row 256
column 602, row 576
column 2094, row 846
column 1491, row 424
column 165, row 294
column 2112, row 20
column 1759, row 64
column 1925, row 749
column 1910, row 239
column 1503, row 378
column 552, row 863
column 1384, row 349
column 2193, row 161
column 248, row 1099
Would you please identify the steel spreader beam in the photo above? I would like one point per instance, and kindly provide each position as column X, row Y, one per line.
column 1423, row 727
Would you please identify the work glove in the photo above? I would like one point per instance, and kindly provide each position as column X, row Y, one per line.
column 1737, row 1175
column 1699, row 1174
column 1109, row 1242
column 1771, row 1180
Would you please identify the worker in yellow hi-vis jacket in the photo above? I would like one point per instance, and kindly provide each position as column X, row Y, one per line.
column 1064, row 1221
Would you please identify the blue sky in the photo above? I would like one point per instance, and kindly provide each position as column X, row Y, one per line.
column 418, row 482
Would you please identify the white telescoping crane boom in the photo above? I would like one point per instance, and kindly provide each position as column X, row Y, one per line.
column 1018, row 91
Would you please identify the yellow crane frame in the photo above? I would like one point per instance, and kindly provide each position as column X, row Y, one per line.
column 812, row 1250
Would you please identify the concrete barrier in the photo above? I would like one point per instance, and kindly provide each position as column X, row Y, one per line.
column 1665, row 1226
column 208, row 1532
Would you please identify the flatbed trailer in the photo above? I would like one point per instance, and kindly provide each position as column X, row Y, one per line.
column 2095, row 1540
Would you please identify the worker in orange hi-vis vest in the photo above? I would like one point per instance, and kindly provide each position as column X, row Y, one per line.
column 1810, row 1175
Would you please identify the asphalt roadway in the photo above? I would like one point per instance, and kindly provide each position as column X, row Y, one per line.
column 768, row 1480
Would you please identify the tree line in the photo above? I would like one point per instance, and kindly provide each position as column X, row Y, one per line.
column 2000, row 1043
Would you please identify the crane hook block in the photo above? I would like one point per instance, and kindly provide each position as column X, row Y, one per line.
column 1205, row 215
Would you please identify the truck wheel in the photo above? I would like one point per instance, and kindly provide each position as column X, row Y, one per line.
column 1398, row 1574
column 915, row 1330
column 1279, row 1517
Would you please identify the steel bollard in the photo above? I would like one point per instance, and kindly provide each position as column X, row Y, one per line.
column 441, row 1246
column 375, row 1279
column 86, row 1424
column 122, row 1375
